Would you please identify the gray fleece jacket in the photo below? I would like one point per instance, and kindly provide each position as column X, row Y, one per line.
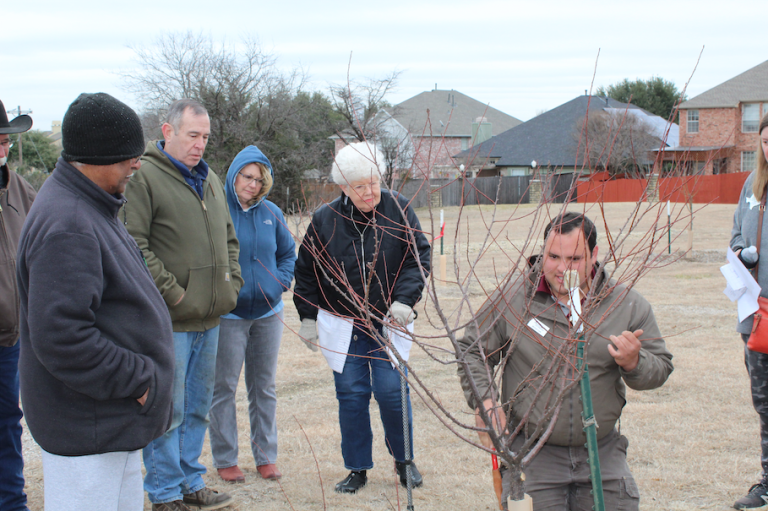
column 95, row 332
column 744, row 234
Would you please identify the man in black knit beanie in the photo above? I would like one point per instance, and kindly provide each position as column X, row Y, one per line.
column 96, row 363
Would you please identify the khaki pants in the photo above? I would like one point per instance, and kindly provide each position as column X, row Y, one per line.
column 557, row 479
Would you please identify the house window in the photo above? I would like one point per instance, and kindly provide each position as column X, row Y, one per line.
column 464, row 143
column 750, row 117
column 748, row 160
column 720, row 166
column 693, row 121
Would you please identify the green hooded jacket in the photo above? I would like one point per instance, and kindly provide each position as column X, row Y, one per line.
column 188, row 244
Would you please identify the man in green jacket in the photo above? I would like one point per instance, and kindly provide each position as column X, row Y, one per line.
column 524, row 329
column 177, row 212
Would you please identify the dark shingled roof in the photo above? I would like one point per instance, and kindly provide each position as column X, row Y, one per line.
column 547, row 138
column 749, row 86
column 455, row 110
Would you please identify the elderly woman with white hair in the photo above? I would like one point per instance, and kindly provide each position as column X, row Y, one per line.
column 365, row 230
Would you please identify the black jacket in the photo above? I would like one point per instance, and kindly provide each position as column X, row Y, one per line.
column 15, row 200
column 340, row 237
column 95, row 332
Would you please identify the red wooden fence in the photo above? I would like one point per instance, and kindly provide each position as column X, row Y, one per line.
column 717, row 189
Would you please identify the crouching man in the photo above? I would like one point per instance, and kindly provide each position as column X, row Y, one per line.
column 96, row 364
column 530, row 317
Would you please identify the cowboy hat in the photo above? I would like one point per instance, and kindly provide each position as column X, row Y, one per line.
column 20, row 124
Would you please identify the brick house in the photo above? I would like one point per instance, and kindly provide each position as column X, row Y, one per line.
column 420, row 135
column 718, row 128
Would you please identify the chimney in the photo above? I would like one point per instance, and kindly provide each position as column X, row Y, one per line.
column 482, row 130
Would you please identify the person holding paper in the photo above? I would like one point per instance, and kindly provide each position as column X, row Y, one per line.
column 743, row 238
column 361, row 267
column 523, row 325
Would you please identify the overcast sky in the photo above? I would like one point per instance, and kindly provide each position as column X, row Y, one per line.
column 519, row 57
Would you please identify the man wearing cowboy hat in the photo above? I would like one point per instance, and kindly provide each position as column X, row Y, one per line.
column 16, row 196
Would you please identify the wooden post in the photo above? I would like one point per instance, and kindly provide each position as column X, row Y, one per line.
column 690, row 227
column 442, row 269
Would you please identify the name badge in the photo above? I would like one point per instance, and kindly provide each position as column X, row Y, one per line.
column 538, row 327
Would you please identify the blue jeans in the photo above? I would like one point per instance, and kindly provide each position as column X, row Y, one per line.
column 257, row 343
column 171, row 461
column 12, row 496
column 367, row 369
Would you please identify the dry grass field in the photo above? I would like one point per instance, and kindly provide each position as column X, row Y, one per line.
column 693, row 443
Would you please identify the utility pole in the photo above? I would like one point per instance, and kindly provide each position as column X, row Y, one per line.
column 18, row 112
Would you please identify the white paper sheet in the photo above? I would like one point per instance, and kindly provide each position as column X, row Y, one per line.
column 334, row 334
column 401, row 342
column 741, row 287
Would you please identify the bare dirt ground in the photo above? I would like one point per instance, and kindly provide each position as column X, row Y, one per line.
column 694, row 443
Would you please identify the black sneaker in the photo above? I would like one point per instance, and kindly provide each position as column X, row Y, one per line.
column 756, row 498
column 416, row 479
column 353, row 482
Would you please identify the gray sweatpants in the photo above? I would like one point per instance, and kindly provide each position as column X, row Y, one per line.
column 93, row 483
column 557, row 479
column 257, row 343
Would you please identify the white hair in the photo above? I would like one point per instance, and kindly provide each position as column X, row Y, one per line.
column 356, row 162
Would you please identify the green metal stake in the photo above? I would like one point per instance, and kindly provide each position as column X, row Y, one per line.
column 442, row 231
column 590, row 429
column 571, row 280
column 669, row 229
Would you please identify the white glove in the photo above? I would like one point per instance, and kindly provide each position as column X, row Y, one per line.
column 308, row 333
column 401, row 313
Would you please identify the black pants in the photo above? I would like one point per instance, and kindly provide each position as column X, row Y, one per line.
column 757, row 367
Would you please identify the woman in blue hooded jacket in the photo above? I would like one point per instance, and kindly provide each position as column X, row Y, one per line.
column 252, row 331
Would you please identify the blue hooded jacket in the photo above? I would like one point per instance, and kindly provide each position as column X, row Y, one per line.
column 267, row 249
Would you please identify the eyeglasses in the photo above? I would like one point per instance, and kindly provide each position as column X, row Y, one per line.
column 7, row 144
column 251, row 179
column 361, row 189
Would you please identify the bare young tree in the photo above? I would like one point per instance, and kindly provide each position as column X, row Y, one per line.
column 484, row 264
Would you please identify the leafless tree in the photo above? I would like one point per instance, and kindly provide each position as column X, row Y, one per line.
column 248, row 98
column 359, row 102
column 618, row 142
column 398, row 155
